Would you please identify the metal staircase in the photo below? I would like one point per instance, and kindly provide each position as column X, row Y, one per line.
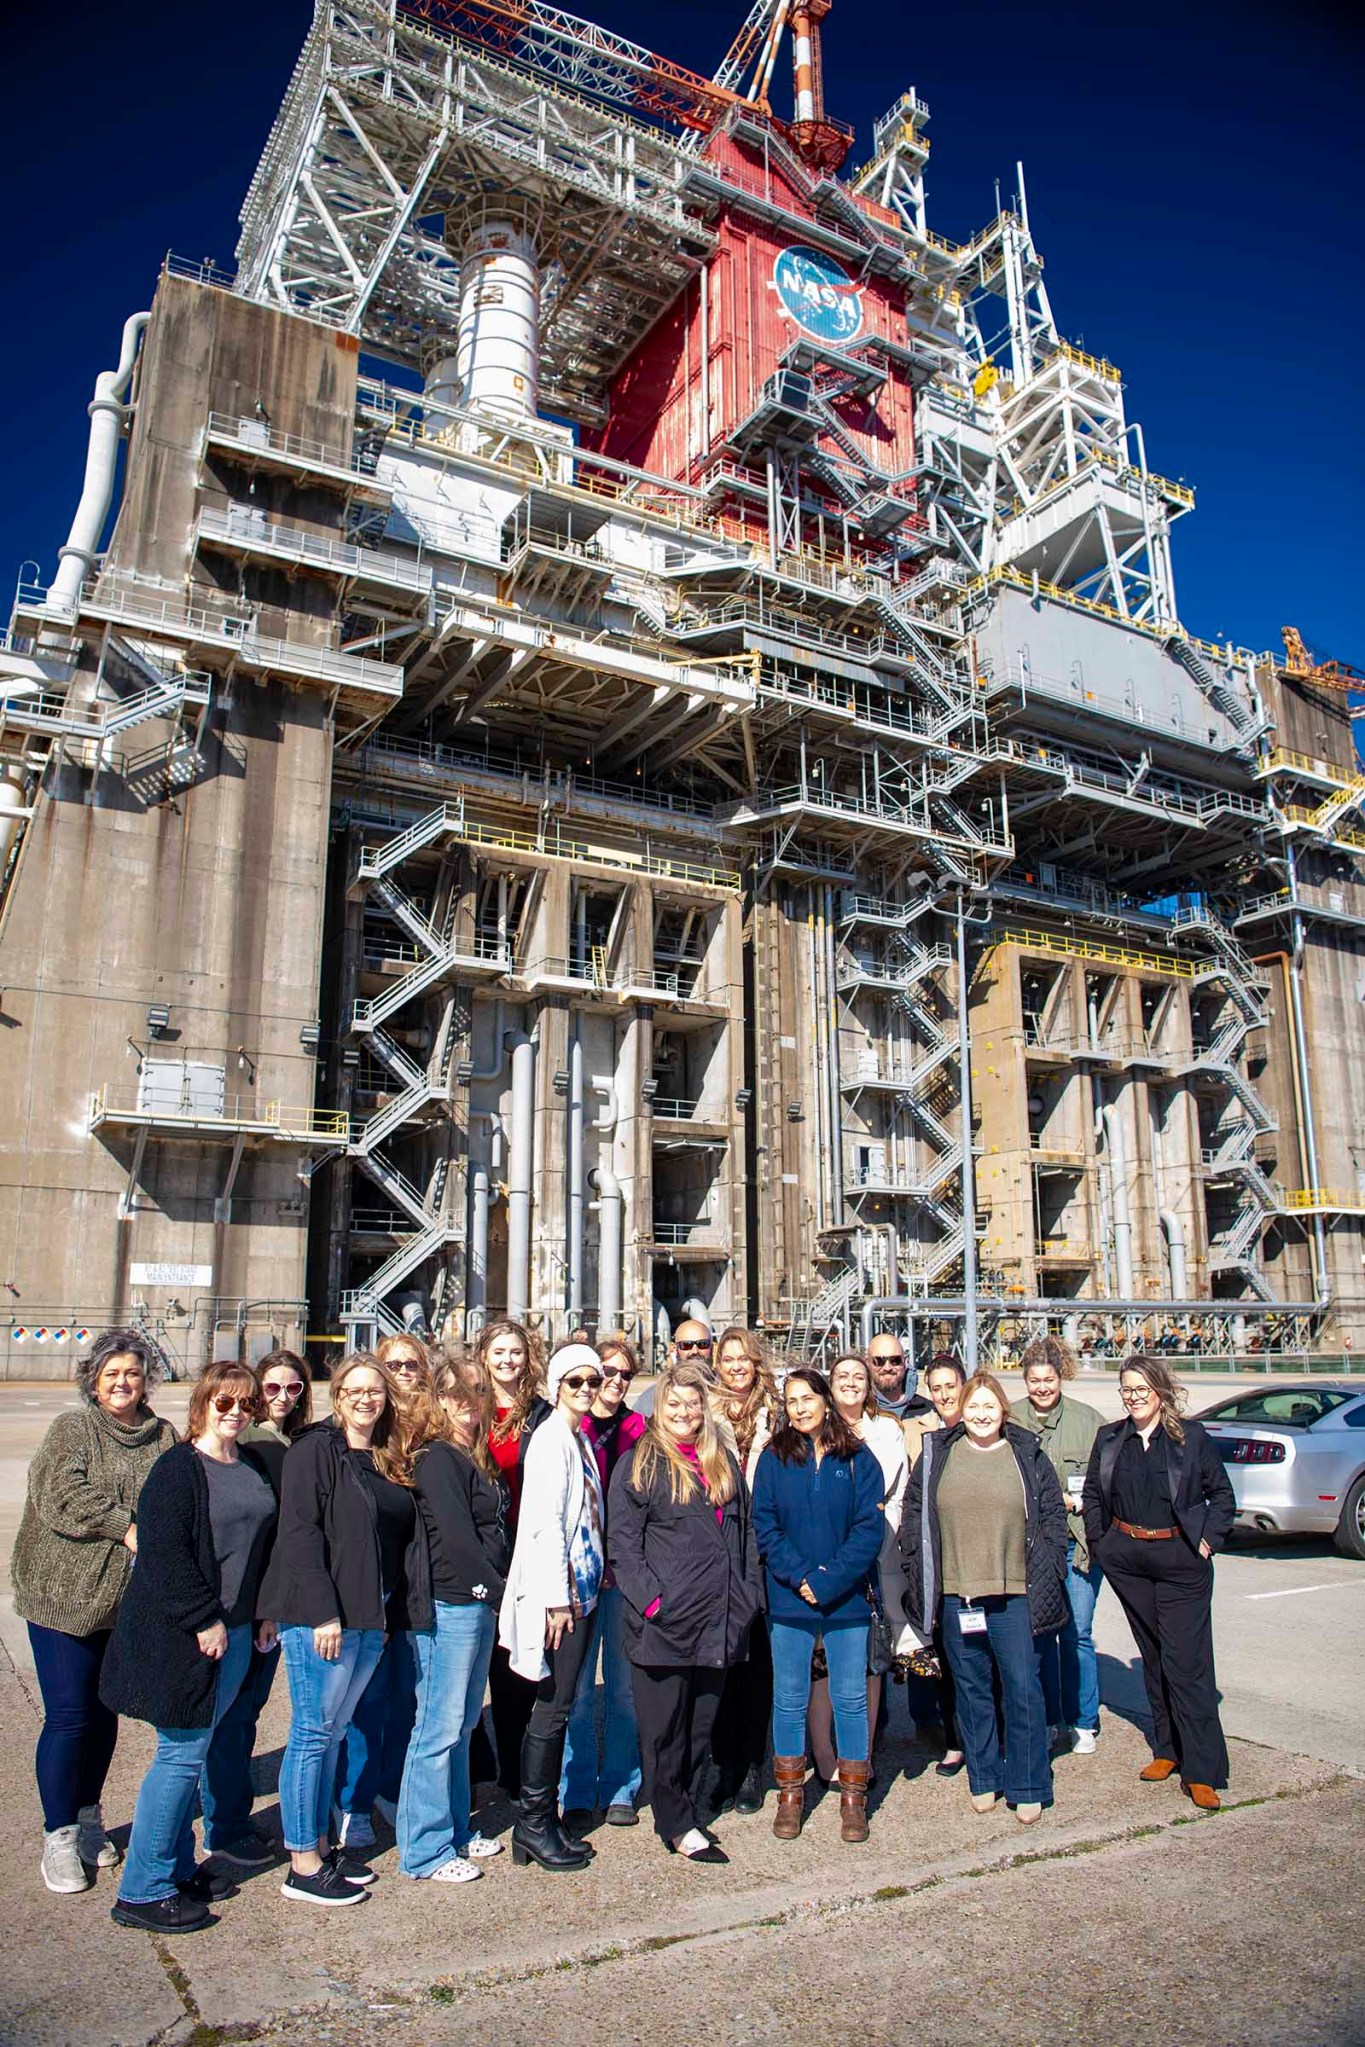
column 1246, row 723
column 827, row 1313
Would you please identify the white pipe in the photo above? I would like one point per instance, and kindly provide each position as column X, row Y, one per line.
column 521, row 1163
column 1118, row 1194
column 498, row 350
column 12, row 809
column 1175, row 1244
column 574, row 1260
column 609, row 1211
column 107, row 414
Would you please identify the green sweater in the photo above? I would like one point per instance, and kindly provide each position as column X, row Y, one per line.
column 71, row 1565
column 1068, row 1434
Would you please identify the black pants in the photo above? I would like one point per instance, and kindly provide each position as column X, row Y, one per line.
column 552, row 1698
column 511, row 1699
column 676, row 1710
column 1166, row 1590
column 739, row 1739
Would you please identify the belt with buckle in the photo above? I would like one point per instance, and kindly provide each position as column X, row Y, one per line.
column 1147, row 1534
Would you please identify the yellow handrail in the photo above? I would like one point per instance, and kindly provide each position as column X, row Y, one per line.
column 1089, row 949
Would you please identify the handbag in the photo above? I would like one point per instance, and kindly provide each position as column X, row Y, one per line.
column 881, row 1653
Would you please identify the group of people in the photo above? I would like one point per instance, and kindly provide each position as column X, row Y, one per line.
column 745, row 1562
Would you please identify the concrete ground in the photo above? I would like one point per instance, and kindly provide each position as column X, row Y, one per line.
column 1122, row 1915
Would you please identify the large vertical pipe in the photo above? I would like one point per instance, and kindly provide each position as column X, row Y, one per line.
column 1112, row 1118
column 803, row 63
column 964, row 1068
column 609, row 1212
column 107, row 414
column 574, row 1248
column 1310, row 1128
column 521, row 1163
column 498, row 328
column 1175, row 1245
column 480, row 1194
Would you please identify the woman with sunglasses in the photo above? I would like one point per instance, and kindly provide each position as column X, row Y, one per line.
column 610, row 1429
column 370, row 1767
column 225, row 1791
column 350, row 1566
column 512, row 1358
column 682, row 1545
column 183, row 1638
column 552, row 1588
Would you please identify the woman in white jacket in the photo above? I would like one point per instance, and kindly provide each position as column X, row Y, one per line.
column 552, row 1588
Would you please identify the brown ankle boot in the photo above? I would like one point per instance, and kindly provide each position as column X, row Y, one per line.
column 853, row 1800
column 790, row 1772
column 1158, row 1770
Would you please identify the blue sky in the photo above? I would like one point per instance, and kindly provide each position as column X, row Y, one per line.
column 1194, row 185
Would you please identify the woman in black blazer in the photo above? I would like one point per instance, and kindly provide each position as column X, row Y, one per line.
column 1157, row 1505
column 680, row 1541
column 183, row 1639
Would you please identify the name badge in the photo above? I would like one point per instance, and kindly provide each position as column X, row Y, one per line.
column 1075, row 1487
column 971, row 1620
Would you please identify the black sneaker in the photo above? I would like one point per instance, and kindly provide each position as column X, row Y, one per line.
column 352, row 1865
column 327, row 1886
column 207, row 1884
column 178, row 1914
column 250, row 1852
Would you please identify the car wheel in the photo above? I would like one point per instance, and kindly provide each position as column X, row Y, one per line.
column 1350, row 1536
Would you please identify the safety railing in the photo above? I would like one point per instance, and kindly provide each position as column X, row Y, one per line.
column 257, row 437
column 312, row 550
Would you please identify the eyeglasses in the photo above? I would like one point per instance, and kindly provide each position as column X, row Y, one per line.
column 694, row 1343
column 622, row 1372
column 1135, row 1392
column 273, row 1390
column 224, row 1403
column 576, row 1385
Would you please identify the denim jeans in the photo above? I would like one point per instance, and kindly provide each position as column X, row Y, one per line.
column 582, row 1784
column 161, row 1850
column 377, row 1739
column 1066, row 1660
column 793, row 1643
column 76, row 1743
column 225, row 1789
column 1023, row 1773
column 433, row 1802
column 322, row 1698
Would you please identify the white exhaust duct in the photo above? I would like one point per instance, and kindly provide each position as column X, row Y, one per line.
column 498, row 352
column 107, row 414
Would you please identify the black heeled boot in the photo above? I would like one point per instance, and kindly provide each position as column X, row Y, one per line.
column 537, row 1835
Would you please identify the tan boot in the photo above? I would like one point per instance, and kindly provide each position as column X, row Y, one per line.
column 790, row 1772
column 853, row 1800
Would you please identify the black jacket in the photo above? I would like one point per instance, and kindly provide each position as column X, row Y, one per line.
column 326, row 1564
column 154, row 1668
column 1045, row 1532
column 705, row 1573
column 1201, row 1491
column 466, row 1522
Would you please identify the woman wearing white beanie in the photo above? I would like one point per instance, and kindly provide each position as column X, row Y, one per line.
column 552, row 1588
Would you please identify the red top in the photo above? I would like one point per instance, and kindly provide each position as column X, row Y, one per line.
column 506, row 1454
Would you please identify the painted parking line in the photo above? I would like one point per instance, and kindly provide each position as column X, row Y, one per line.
column 1293, row 1591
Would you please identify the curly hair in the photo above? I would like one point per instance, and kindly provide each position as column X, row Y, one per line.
column 121, row 1343
column 1166, row 1387
column 532, row 1382
column 837, row 1439
column 1050, row 1350
column 743, row 1413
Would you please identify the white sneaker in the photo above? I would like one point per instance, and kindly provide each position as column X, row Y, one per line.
column 352, row 1829
column 95, row 1846
column 1085, row 1741
column 478, row 1848
column 456, row 1871
column 61, row 1865
column 387, row 1811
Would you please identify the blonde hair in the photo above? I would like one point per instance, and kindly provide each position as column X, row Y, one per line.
column 404, row 1340
column 389, row 1443
column 986, row 1382
column 463, row 1379
column 1166, row 1387
column 761, row 1398
column 656, row 1445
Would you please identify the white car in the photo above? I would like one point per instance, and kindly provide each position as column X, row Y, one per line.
column 1296, row 1458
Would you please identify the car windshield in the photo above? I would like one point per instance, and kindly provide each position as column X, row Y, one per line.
column 1294, row 1407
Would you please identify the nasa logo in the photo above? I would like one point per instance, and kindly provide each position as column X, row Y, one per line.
column 819, row 294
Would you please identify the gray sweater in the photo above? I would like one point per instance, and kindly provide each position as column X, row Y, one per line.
column 71, row 1566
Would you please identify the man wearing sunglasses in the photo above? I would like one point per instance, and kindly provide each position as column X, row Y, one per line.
column 692, row 1345
column 611, row 1430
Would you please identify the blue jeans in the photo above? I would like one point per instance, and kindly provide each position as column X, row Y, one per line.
column 1066, row 1660
column 433, row 1803
column 76, row 1743
column 161, row 1850
column 793, row 1643
column 582, row 1785
column 377, row 1738
column 322, row 1698
column 225, row 1789
column 1023, row 1773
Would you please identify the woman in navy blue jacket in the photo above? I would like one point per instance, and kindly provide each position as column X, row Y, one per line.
column 819, row 1523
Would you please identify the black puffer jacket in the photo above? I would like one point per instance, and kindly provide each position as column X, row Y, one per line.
column 326, row 1565
column 704, row 1573
column 1045, row 1532
column 154, row 1669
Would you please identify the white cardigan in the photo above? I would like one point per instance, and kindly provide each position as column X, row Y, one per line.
column 883, row 1437
column 555, row 1519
